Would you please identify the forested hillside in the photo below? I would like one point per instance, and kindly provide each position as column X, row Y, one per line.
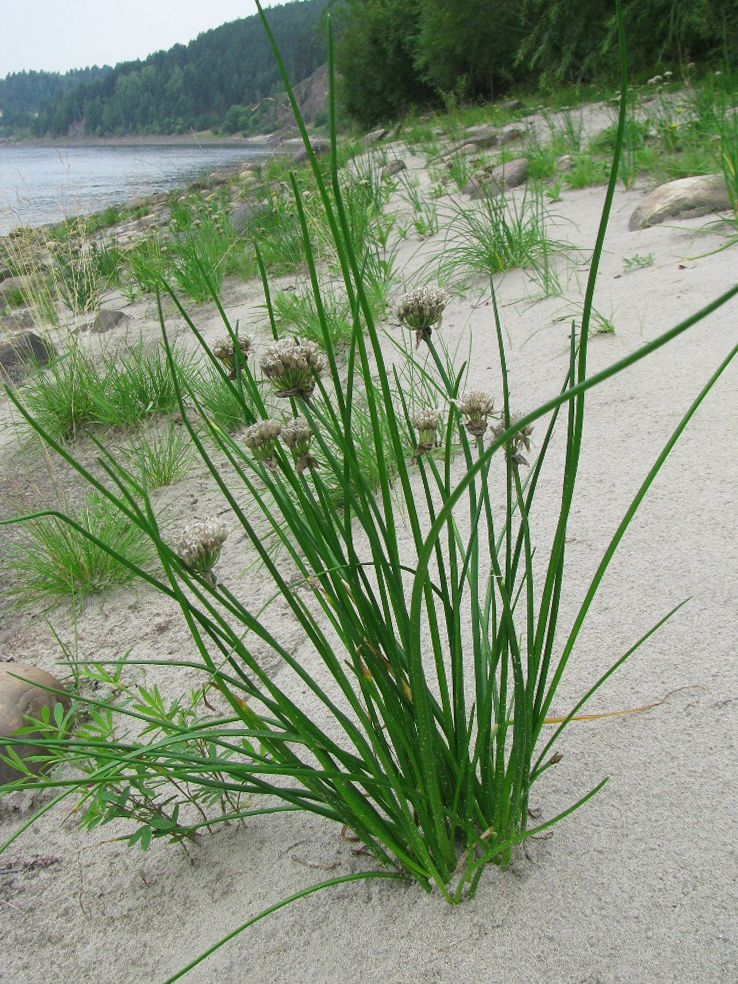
column 395, row 54
column 223, row 78
column 23, row 93
column 391, row 55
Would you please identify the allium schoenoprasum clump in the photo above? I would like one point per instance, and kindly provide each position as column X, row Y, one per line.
column 422, row 309
column 419, row 716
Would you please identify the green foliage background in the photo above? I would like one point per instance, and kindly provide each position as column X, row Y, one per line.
column 394, row 54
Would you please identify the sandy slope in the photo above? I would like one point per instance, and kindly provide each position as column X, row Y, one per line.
column 641, row 884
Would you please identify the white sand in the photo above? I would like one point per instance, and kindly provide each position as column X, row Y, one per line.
column 640, row 885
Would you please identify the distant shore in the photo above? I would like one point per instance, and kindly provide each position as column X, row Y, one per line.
column 193, row 139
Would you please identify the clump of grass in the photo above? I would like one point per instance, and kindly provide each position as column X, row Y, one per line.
column 587, row 170
column 199, row 257
column 64, row 397
column 298, row 314
column 160, row 457
column 220, row 401
column 497, row 235
column 72, row 556
column 146, row 264
column 116, row 389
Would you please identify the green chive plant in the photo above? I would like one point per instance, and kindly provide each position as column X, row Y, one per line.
column 438, row 643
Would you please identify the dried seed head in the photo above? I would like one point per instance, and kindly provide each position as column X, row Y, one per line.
column 292, row 366
column 199, row 544
column 421, row 309
column 224, row 350
column 426, row 423
column 519, row 441
column 261, row 438
column 476, row 406
column 297, row 436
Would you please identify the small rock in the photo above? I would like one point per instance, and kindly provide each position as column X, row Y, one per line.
column 510, row 105
column 394, row 167
column 241, row 216
column 220, row 177
column 21, row 699
column 106, row 320
column 565, row 163
column 698, row 195
column 16, row 322
column 296, row 148
column 512, row 133
column 501, row 178
column 376, row 135
column 23, row 352
column 481, row 136
column 10, row 286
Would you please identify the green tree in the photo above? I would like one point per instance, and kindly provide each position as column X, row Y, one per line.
column 376, row 57
column 468, row 47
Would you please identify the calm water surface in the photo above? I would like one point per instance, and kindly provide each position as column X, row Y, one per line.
column 46, row 184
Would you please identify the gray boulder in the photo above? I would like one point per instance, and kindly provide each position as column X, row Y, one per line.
column 482, row 135
column 242, row 216
column 684, row 197
column 105, row 321
column 501, row 178
column 22, row 352
column 394, row 167
column 21, row 699
column 376, row 135
column 16, row 322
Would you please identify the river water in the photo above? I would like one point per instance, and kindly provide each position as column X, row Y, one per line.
column 39, row 185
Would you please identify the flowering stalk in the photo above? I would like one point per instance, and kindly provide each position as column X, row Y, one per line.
column 425, row 422
column 291, row 366
column 225, row 350
column 421, row 309
column 261, row 439
column 476, row 407
column 297, row 436
column 199, row 544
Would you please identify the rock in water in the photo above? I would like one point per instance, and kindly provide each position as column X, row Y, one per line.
column 21, row 699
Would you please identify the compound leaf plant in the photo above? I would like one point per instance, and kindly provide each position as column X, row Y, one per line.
column 434, row 629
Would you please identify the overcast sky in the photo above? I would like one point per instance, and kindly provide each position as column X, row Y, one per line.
column 56, row 35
